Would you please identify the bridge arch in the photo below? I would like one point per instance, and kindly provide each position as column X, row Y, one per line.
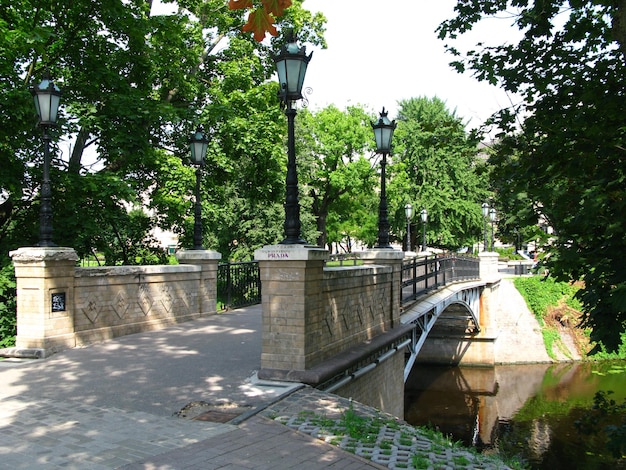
column 425, row 313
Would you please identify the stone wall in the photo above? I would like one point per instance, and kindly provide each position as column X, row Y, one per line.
column 355, row 307
column 61, row 306
column 382, row 387
column 312, row 313
column 319, row 323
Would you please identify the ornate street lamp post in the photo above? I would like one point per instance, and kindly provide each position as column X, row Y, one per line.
column 383, row 133
column 492, row 218
column 291, row 65
column 485, row 209
column 198, row 145
column 408, row 211
column 47, row 97
column 424, row 216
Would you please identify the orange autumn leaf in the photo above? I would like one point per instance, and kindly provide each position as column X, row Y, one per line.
column 239, row 4
column 260, row 22
column 276, row 7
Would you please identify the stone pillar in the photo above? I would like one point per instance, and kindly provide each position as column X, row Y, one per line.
column 291, row 277
column 45, row 298
column 393, row 258
column 208, row 261
column 488, row 266
column 488, row 301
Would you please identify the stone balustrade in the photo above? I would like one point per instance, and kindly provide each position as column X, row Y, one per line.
column 61, row 306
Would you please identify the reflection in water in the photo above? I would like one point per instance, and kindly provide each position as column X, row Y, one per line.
column 526, row 410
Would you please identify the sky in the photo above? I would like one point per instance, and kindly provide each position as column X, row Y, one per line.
column 383, row 51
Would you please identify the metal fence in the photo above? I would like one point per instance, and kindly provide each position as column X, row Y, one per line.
column 422, row 274
column 238, row 285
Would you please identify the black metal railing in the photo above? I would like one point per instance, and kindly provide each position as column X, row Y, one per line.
column 423, row 274
column 238, row 285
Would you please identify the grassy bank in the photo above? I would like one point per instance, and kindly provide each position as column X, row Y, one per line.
column 559, row 312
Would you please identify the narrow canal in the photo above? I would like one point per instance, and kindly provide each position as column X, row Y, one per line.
column 524, row 410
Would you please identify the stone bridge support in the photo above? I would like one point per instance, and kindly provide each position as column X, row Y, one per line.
column 45, row 293
column 337, row 329
column 60, row 305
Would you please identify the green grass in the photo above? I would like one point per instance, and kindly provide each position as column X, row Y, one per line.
column 542, row 293
column 365, row 430
column 420, row 462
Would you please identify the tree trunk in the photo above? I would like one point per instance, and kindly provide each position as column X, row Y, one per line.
column 78, row 150
column 321, row 228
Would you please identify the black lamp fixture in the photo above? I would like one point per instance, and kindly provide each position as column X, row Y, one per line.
column 485, row 209
column 198, row 144
column 408, row 211
column 47, row 97
column 492, row 218
column 424, row 217
column 291, row 64
column 383, row 134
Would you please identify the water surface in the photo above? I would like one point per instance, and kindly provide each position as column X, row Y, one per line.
column 525, row 410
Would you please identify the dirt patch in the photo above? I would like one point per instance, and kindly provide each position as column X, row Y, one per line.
column 565, row 320
column 215, row 413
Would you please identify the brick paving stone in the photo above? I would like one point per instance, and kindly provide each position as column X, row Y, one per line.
column 258, row 443
column 108, row 420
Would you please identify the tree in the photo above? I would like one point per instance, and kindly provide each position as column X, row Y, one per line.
column 135, row 87
column 570, row 149
column 331, row 146
column 435, row 168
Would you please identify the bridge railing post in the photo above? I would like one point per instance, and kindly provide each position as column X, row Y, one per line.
column 208, row 261
column 291, row 276
column 443, row 269
column 45, row 298
column 414, row 269
column 488, row 270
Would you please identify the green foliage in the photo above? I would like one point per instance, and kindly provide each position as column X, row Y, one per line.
column 435, row 167
column 335, row 175
column 543, row 292
column 608, row 419
column 508, row 253
column 602, row 353
column 562, row 154
column 540, row 294
column 135, row 86
column 8, row 315
column 551, row 339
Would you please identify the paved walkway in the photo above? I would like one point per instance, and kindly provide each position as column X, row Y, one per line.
column 152, row 401
column 119, row 403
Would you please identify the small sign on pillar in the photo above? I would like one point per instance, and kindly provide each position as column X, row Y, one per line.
column 58, row 302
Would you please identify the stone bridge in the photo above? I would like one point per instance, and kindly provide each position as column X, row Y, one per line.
column 349, row 330
column 353, row 330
